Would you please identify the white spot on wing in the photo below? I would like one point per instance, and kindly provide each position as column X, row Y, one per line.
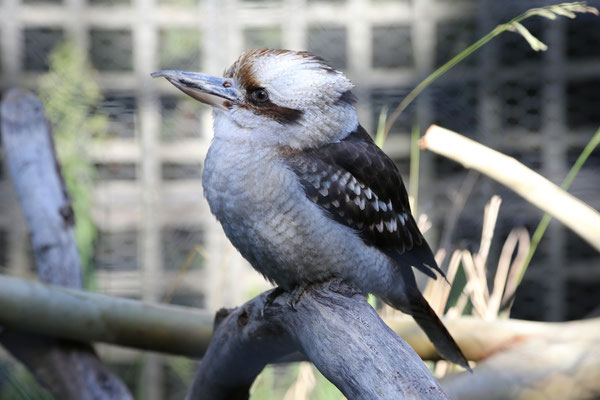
column 351, row 185
column 382, row 205
column 359, row 202
column 391, row 225
column 345, row 178
column 402, row 219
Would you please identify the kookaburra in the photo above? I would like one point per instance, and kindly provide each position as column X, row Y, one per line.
column 301, row 189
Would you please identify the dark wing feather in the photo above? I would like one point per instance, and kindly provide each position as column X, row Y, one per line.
column 360, row 187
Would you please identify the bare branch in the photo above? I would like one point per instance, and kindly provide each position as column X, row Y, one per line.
column 336, row 329
column 581, row 218
column 68, row 313
column 561, row 363
column 69, row 370
column 33, row 307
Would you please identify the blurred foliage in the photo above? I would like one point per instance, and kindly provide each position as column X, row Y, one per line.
column 182, row 369
column 270, row 37
column 180, row 3
column 180, row 49
column 17, row 383
column 293, row 381
column 274, row 381
column 325, row 390
column 71, row 99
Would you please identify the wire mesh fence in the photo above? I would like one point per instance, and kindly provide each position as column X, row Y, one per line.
column 148, row 203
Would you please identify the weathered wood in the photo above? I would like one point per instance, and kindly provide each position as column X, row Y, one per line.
column 552, row 364
column 91, row 317
column 30, row 159
column 501, row 345
column 69, row 370
column 334, row 327
column 33, row 307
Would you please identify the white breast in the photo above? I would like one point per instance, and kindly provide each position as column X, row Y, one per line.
column 266, row 215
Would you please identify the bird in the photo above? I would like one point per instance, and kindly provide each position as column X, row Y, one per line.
column 301, row 189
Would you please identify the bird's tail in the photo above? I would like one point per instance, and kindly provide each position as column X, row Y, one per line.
column 435, row 330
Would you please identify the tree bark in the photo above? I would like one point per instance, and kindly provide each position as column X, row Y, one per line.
column 334, row 327
column 33, row 307
column 69, row 370
column 566, row 352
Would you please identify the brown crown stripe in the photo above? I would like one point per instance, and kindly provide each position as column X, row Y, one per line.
column 242, row 68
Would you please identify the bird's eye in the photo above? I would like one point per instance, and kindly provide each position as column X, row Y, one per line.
column 260, row 95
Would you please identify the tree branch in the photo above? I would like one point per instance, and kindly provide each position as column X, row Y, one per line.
column 336, row 329
column 554, row 364
column 33, row 307
column 73, row 314
column 69, row 370
column 539, row 191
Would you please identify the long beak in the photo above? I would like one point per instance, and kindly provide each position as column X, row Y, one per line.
column 212, row 90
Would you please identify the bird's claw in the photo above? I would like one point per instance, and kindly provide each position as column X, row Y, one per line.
column 273, row 294
column 295, row 296
column 338, row 285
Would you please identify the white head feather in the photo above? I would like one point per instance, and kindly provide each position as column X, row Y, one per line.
column 309, row 102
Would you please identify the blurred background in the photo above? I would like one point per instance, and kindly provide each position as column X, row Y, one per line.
column 132, row 148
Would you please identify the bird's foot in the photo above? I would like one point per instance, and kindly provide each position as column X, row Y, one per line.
column 273, row 294
column 338, row 285
column 295, row 296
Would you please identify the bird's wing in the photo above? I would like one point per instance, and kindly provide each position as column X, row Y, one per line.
column 357, row 185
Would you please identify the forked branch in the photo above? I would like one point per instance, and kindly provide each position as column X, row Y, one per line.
column 334, row 327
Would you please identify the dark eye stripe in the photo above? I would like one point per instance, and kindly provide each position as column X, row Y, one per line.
column 266, row 107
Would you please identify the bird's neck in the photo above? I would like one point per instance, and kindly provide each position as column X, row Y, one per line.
column 314, row 130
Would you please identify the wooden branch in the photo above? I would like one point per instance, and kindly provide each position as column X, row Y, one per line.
column 554, row 364
column 581, row 218
column 68, row 370
column 334, row 327
column 73, row 314
column 33, row 307
column 30, row 159
column 480, row 339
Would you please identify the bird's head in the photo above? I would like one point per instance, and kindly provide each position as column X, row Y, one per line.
column 275, row 98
